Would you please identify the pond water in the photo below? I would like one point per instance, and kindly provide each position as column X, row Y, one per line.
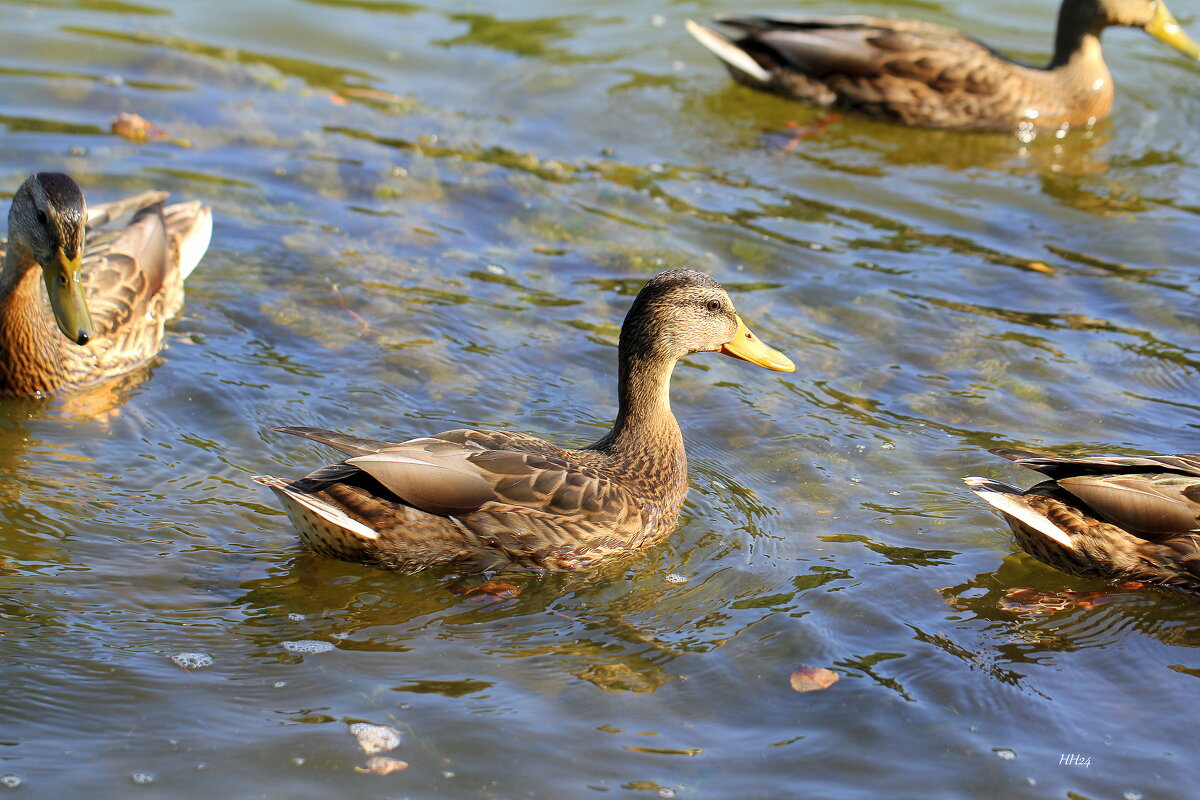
column 435, row 215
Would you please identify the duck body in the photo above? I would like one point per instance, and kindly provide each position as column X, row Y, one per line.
column 78, row 306
column 1120, row 518
column 501, row 499
column 478, row 500
column 927, row 75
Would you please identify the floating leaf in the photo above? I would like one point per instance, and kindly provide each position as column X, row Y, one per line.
column 375, row 738
column 495, row 591
column 811, row 679
column 137, row 128
column 801, row 132
column 382, row 765
column 1023, row 600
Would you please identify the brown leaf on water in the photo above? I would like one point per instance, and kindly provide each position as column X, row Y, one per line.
column 494, row 591
column 137, row 128
column 382, row 765
column 801, row 132
column 1022, row 600
column 811, row 679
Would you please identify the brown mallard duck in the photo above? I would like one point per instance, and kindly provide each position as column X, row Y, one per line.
column 932, row 76
column 109, row 295
column 1133, row 519
column 481, row 500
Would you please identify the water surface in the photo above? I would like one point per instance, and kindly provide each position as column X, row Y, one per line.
column 435, row 215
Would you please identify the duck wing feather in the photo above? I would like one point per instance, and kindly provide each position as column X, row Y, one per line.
column 868, row 47
column 1152, row 497
column 447, row 479
column 461, row 471
column 125, row 270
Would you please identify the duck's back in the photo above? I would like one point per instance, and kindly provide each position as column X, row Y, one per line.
column 913, row 72
column 1128, row 518
column 134, row 279
column 475, row 500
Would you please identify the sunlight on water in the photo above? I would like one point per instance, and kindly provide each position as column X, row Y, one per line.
column 434, row 216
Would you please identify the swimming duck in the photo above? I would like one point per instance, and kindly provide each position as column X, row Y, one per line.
column 1133, row 519
column 932, row 76
column 479, row 500
column 108, row 296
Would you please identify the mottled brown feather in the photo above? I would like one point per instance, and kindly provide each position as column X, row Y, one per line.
column 928, row 75
column 133, row 279
column 511, row 499
column 1128, row 518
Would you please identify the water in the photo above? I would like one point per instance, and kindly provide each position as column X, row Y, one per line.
column 430, row 217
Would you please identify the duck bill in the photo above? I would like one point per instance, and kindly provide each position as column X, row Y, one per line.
column 748, row 347
column 1164, row 27
column 64, row 284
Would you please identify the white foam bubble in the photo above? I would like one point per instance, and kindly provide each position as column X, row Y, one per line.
column 192, row 660
column 375, row 738
column 308, row 646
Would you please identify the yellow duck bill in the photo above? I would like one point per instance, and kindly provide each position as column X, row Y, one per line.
column 64, row 285
column 748, row 347
column 1165, row 28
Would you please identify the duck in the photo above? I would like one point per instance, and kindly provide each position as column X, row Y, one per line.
column 926, row 75
column 485, row 500
column 108, row 294
column 1122, row 518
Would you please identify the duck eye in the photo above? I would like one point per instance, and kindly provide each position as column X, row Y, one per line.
column 41, row 218
column 714, row 306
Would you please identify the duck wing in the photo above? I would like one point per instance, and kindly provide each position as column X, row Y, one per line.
column 134, row 276
column 104, row 213
column 461, row 471
column 125, row 270
column 1151, row 497
column 869, row 47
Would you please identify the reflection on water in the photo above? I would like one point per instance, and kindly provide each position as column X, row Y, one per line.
column 431, row 217
column 1034, row 620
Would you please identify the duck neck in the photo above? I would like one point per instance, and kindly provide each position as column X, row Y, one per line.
column 1082, row 78
column 1078, row 38
column 29, row 338
column 645, row 427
